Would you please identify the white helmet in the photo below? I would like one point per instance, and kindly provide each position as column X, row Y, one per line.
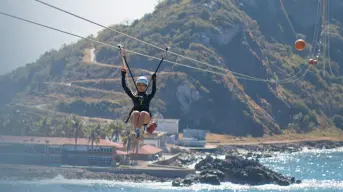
column 143, row 80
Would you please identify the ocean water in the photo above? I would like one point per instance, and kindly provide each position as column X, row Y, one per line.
column 320, row 171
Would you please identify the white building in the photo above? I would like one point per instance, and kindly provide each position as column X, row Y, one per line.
column 193, row 138
column 171, row 139
column 157, row 139
column 170, row 126
column 191, row 142
column 194, row 133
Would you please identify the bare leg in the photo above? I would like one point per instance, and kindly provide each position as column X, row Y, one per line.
column 134, row 118
column 135, row 146
column 147, row 118
column 143, row 119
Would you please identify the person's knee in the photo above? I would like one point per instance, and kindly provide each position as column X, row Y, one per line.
column 135, row 114
column 145, row 114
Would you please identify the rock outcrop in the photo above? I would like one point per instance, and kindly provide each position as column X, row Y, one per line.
column 234, row 169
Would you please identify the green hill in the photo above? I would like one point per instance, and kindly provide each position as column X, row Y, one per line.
column 251, row 37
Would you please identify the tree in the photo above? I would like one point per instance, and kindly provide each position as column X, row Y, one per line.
column 129, row 140
column 67, row 127
column 77, row 128
column 115, row 128
column 126, row 22
column 338, row 121
column 45, row 126
column 94, row 134
column 28, row 124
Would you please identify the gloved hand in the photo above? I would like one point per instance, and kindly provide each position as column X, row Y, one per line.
column 123, row 71
column 153, row 76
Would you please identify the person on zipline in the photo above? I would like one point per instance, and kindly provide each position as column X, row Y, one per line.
column 140, row 115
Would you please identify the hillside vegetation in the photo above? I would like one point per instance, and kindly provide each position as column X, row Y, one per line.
column 251, row 37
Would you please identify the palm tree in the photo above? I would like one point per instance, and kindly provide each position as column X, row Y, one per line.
column 98, row 130
column 94, row 135
column 45, row 126
column 28, row 126
column 115, row 128
column 77, row 128
column 6, row 123
column 66, row 126
column 129, row 140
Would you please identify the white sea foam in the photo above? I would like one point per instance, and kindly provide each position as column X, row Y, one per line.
column 307, row 184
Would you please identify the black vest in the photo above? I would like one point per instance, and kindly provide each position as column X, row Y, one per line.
column 141, row 102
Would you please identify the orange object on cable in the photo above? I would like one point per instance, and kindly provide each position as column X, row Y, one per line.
column 300, row 44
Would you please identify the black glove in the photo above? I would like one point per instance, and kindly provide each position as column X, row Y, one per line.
column 153, row 76
column 123, row 72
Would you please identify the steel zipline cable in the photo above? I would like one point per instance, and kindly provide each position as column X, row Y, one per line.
column 204, row 63
column 148, row 56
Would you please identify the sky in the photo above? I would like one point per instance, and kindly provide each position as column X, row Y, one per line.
column 23, row 43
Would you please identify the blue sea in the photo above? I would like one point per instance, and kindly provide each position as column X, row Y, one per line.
column 320, row 171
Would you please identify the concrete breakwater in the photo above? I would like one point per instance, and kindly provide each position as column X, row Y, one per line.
column 158, row 171
column 167, row 161
column 135, row 174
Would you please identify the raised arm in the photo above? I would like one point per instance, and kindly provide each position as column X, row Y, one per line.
column 123, row 84
column 153, row 89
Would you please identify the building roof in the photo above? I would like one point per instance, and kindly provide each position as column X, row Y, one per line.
column 168, row 120
column 154, row 135
column 56, row 141
column 144, row 150
column 168, row 125
column 149, row 150
column 121, row 152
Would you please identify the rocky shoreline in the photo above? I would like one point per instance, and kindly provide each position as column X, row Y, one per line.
column 292, row 147
column 268, row 150
column 237, row 167
column 234, row 169
column 30, row 173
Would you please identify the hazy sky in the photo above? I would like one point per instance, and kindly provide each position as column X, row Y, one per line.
column 23, row 43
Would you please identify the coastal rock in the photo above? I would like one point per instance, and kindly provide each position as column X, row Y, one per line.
column 216, row 172
column 184, row 159
column 237, row 170
column 322, row 144
column 189, row 180
column 209, row 179
column 177, row 182
column 187, row 158
column 205, row 178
